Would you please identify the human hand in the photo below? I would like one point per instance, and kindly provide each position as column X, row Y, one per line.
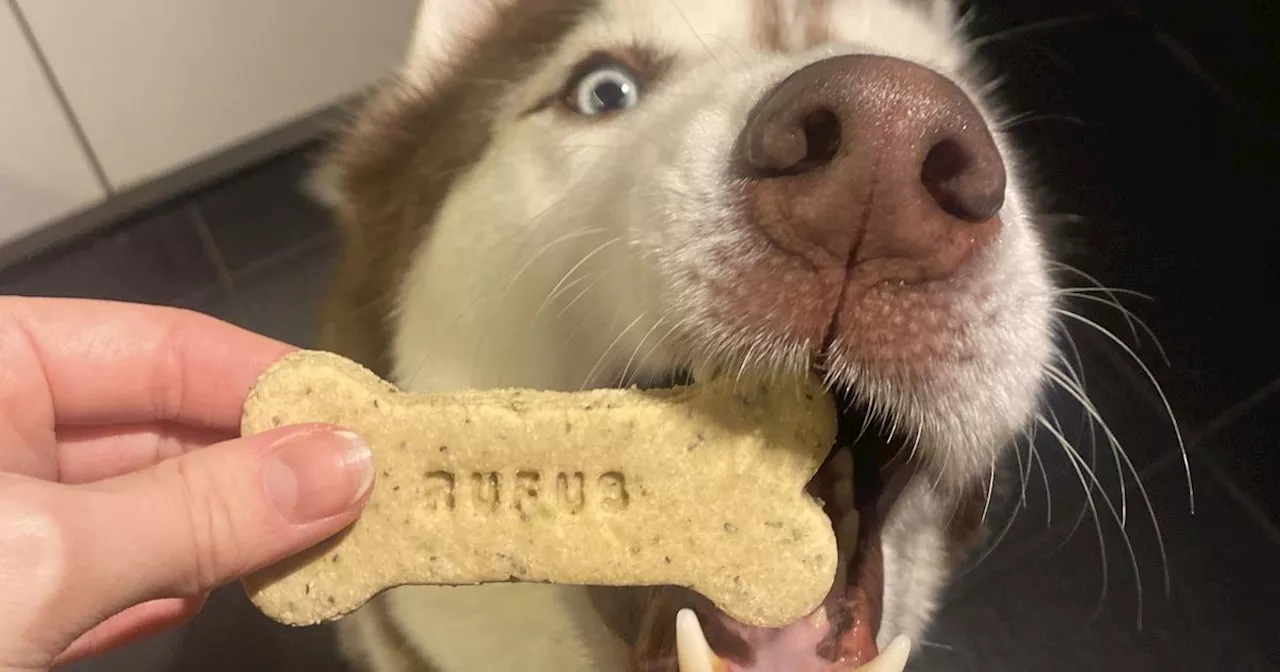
column 125, row 496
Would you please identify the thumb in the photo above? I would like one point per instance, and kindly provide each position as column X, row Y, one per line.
column 198, row 521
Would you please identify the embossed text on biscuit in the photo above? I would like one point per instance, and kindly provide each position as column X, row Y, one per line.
column 525, row 491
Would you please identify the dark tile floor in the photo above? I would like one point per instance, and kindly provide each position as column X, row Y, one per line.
column 1163, row 183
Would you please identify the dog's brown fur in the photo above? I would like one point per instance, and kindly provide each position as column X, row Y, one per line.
column 399, row 161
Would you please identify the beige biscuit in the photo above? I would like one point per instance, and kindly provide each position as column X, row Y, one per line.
column 701, row 487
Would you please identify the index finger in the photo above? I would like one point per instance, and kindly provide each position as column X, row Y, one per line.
column 112, row 363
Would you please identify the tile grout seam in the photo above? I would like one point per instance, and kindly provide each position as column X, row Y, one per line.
column 214, row 254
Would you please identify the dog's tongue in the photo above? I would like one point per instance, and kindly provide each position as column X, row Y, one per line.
column 716, row 643
column 801, row 647
column 805, row 646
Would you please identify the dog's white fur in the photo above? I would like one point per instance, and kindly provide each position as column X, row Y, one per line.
column 551, row 266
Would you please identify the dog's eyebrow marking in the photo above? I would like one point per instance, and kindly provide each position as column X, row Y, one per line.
column 768, row 25
column 783, row 26
column 817, row 24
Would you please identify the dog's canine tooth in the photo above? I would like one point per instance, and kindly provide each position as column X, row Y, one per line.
column 892, row 659
column 693, row 654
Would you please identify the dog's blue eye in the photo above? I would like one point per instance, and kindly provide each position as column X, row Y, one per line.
column 606, row 89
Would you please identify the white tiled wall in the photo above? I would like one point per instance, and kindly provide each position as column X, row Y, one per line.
column 157, row 84
column 44, row 174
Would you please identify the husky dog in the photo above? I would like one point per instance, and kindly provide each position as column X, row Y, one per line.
column 563, row 194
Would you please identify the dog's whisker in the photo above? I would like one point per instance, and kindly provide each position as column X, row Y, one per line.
column 1134, row 320
column 1077, row 374
column 675, row 4
column 662, row 341
column 555, row 290
column 746, row 360
column 1112, row 294
column 1077, row 393
column 1119, row 291
column 1088, row 484
column 937, row 645
column 1090, row 426
column 1029, row 434
column 625, row 378
column 1037, row 27
column 577, row 297
column 991, row 486
column 727, row 44
column 1164, row 399
column 1032, row 117
column 946, row 461
column 1093, row 464
column 562, row 286
column 1078, row 462
column 995, row 543
column 1122, row 455
column 1023, row 477
column 565, row 289
column 542, row 218
column 912, row 454
column 605, row 355
column 1033, row 454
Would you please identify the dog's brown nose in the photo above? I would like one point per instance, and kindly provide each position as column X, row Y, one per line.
column 861, row 158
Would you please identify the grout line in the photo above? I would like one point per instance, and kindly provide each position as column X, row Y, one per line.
column 1141, row 386
column 1195, row 448
column 175, row 185
column 214, row 255
column 1170, row 460
column 1046, row 25
column 1251, row 508
column 1188, row 60
column 1234, row 412
column 1214, row 470
column 190, row 298
column 285, row 254
column 210, row 245
column 1130, row 8
column 1165, row 461
column 65, row 103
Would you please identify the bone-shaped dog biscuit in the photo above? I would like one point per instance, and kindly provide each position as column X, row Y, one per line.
column 700, row 487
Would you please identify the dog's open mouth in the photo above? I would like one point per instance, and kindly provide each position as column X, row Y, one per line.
column 858, row 484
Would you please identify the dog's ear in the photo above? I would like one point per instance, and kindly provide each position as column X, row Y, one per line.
column 445, row 31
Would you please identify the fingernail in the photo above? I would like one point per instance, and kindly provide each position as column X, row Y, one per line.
column 315, row 476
